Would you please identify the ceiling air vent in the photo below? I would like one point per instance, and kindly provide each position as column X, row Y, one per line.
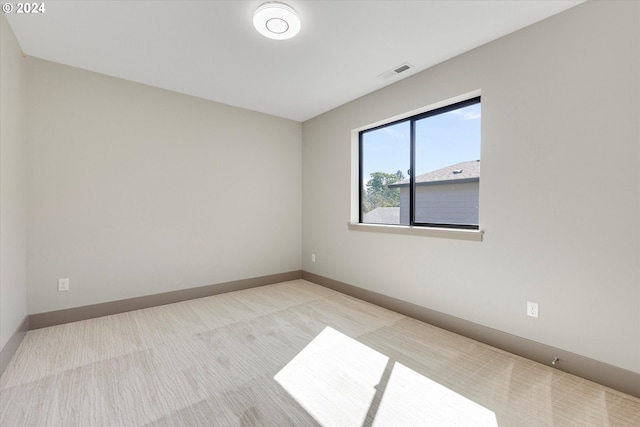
column 396, row 70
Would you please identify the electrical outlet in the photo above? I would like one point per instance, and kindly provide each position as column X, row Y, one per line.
column 532, row 309
column 313, row 257
column 63, row 285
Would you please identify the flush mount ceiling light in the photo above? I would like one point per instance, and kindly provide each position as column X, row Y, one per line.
column 277, row 21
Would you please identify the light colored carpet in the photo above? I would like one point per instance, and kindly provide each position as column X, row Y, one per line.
column 293, row 353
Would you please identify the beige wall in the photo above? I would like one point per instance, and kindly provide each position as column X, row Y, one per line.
column 135, row 190
column 13, row 274
column 559, row 197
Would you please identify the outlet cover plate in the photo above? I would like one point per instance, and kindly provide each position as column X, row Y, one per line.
column 532, row 309
column 63, row 285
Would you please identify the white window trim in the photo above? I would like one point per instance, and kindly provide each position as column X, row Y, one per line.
column 446, row 233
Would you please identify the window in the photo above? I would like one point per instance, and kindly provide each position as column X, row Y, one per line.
column 423, row 170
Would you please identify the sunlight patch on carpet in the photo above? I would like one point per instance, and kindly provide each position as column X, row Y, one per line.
column 334, row 378
column 413, row 399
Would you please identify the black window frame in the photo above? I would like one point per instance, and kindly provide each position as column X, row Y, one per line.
column 412, row 151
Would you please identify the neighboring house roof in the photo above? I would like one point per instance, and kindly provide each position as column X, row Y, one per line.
column 460, row 172
column 383, row 216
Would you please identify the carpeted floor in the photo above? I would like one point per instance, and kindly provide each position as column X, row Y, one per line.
column 295, row 354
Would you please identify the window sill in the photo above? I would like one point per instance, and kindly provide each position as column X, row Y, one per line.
column 445, row 233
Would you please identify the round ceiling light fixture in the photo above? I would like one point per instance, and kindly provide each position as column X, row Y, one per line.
column 277, row 21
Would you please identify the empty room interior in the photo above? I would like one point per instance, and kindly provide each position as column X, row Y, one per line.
column 212, row 214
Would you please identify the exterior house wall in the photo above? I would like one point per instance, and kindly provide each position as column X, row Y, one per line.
column 442, row 203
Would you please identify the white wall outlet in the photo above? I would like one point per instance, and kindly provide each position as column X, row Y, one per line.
column 532, row 309
column 313, row 257
column 63, row 285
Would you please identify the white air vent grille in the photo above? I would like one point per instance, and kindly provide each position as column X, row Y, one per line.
column 396, row 70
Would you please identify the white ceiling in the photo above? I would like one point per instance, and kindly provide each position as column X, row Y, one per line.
column 210, row 49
